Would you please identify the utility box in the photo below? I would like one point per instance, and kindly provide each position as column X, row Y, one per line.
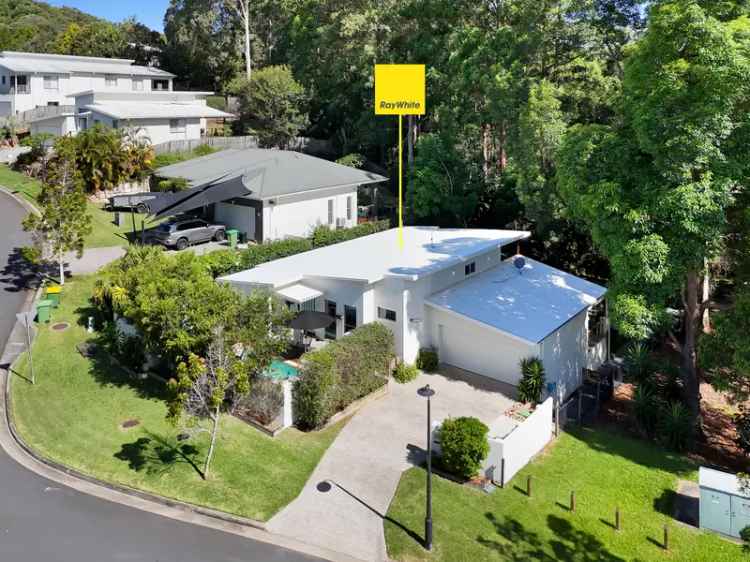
column 724, row 506
column 43, row 309
column 53, row 294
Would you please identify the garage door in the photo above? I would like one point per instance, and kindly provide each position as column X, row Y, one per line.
column 480, row 349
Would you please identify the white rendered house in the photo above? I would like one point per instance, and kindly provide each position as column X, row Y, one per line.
column 456, row 290
column 37, row 80
column 290, row 193
column 160, row 116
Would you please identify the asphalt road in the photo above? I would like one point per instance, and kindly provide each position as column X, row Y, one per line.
column 40, row 521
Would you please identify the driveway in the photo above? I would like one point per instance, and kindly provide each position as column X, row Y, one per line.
column 365, row 462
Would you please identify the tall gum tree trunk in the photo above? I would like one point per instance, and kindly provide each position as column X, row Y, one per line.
column 214, row 431
column 486, row 149
column 689, row 359
column 61, row 262
column 706, row 296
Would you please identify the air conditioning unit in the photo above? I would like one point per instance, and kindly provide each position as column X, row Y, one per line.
column 340, row 223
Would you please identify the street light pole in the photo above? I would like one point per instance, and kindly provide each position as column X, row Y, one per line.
column 427, row 392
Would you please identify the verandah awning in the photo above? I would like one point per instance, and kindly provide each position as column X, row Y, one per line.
column 299, row 293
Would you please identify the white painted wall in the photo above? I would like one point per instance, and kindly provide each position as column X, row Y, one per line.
column 469, row 345
column 352, row 293
column 565, row 353
column 299, row 219
column 67, row 86
column 58, row 126
column 236, row 216
column 156, row 130
column 521, row 445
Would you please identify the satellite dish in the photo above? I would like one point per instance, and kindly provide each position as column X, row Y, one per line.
column 519, row 262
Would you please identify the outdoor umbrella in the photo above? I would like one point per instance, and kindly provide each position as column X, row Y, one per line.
column 311, row 320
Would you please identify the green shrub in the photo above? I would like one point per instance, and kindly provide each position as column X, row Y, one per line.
column 404, row 373
column 675, row 427
column 203, row 150
column 344, row 371
column 637, row 361
column 325, row 236
column 742, row 425
column 646, row 406
column 169, row 158
column 532, row 380
column 257, row 254
column 221, row 262
column 427, row 360
column 464, row 446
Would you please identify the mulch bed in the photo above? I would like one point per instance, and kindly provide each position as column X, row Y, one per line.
column 717, row 448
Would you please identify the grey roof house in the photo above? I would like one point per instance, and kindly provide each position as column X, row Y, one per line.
column 267, row 194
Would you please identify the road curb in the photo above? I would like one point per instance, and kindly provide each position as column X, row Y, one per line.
column 138, row 499
column 26, row 204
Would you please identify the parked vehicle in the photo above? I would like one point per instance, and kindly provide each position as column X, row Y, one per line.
column 182, row 232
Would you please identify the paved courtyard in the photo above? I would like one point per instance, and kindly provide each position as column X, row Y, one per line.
column 343, row 503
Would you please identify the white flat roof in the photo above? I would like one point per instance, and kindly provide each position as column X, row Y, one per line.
column 371, row 258
column 154, row 110
column 299, row 293
column 529, row 305
column 719, row 481
column 67, row 64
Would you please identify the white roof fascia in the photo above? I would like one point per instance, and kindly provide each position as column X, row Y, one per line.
column 480, row 323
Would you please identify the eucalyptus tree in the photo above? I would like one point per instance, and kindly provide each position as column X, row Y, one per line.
column 655, row 188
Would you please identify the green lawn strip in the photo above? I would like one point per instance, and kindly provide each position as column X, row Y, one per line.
column 606, row 470
column 74, row 415
column 104, row 233
column 169, row 158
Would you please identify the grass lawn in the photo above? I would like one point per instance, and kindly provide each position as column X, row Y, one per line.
column 606, row 470
column 105, row 232
column 169, row 158
column 74, row 414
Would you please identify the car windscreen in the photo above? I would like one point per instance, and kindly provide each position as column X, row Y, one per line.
column 164, row 227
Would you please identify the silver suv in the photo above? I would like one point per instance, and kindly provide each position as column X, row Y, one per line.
column 180, row 233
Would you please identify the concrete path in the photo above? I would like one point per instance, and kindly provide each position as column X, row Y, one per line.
column 343, row 503
column 92, row 260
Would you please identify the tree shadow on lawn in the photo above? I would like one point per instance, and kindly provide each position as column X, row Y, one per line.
column 158, row 455
column 107, row 372
column 636, row 450
column 521, row 544
column 20, row 275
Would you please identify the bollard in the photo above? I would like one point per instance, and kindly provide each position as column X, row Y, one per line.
column 528, row 485
column 572, row 501
column 666, row 537
column 502, row 473
column 617, row 519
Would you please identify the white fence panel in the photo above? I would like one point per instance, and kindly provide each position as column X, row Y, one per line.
column 520, row 446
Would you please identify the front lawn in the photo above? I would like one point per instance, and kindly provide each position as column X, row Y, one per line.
column 104, row 233
column 74, row 415
column 606, row 470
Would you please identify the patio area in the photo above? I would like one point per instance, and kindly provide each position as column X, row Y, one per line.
column 344, row 501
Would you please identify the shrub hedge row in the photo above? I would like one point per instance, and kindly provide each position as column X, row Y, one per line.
column 224, row 262
column 344, row 371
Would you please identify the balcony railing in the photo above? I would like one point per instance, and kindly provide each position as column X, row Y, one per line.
column 45, row 112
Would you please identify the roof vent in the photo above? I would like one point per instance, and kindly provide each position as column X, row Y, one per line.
column 519, row 262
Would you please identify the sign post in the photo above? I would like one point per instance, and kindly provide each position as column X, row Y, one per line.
column 400, row 90
column 26, row 319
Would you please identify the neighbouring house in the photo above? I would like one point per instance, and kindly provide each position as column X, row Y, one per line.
column 154, row 115
column 459, row 291
column 37, row 84
column 282, row 193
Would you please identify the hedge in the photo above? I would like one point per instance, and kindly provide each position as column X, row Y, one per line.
column 344, row 371
column 463, row 445
column 325, row 236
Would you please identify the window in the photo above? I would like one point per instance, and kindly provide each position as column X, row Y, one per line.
column 349, row 208
column 50, row 83
column 331, row 328
column 176, row 125
column 350, row 318
column 3, row 80
column 22, row 85
column 386, row 314
column 138, row 84
column 330, row 211
column 470, row 268
column 110, row 81
column 115, row 124
column 53, row 103
column 160, row 84
column 597, row 323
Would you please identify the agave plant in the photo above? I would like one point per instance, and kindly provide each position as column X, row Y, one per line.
column 637, row 361
column 532, row 380
column 675, row 426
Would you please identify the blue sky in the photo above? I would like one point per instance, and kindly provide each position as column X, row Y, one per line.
column 148, row 12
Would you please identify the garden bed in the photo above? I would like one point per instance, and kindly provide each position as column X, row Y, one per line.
column 74, row 416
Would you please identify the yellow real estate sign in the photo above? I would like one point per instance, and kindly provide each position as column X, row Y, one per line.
column 399, row 89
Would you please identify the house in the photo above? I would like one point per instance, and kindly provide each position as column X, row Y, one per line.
column 159, row 116
column 459, row 291
column 38, row 80
column 288, row 193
